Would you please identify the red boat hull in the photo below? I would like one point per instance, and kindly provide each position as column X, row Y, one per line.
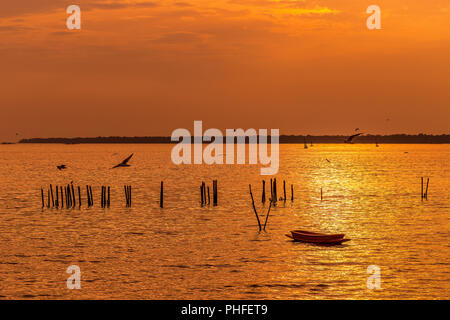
column 314, row 236
column 317, row 238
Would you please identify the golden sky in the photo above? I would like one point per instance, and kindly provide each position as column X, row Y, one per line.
column 149, row 67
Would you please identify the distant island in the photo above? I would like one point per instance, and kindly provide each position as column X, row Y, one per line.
column 295, row 139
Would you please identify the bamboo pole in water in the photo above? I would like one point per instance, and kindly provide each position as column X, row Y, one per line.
column 67, row 196
column 73, row 196
column 57, row 197
column 215, row 193
column 263, row 197
column 275, row 196
column 421, row 190
column 161, row 195
column 201, row 195
column 51, row 192
column 109, row 196
column 62, row 197
column 267, row 216
column 254, row 208
column 129, row 193
column 284, row 190
column 209, row 197
column 292, row 192
column 79, row 196
column 426, row 190
column 91, row 195
column 42, row 197
column 48, row 198
column 271, row 190
column 204, row 192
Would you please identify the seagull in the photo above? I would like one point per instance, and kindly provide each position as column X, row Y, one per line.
column 350, row 139
column 328, row 160
column 124, row 163
column 61, row 167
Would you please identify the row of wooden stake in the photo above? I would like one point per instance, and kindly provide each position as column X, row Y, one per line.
column 205, row 195
column 273, row 191
column 65, row 196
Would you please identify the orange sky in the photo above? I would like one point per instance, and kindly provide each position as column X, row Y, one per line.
column 149, row 67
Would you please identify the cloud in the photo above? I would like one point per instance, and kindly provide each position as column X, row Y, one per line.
column 13, row 28
column 120, row 5
column 25, row 7
column 177, row 37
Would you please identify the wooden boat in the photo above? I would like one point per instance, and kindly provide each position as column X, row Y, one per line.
column 313, row 233
column 302, row 234
column 319, row 241
column 316, row 237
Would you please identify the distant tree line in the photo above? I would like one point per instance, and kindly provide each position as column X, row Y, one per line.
column 395, row 138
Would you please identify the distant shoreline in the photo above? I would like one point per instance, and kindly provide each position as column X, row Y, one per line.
column 284, row 139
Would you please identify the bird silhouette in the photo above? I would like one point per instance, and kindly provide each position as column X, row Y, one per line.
column 350, row 139
column 62, row 167
column 124, row 163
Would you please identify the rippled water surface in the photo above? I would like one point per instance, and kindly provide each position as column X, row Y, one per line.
column 185, row 251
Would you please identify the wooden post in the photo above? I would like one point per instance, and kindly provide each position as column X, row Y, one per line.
column 204, row 192
column 201, row 195
column 254, row 208
column 263, row 200
column 42, row 197
column 73, row 196
column 275, row 197
column 292, row 192
column 62, row 197
column 284, row 190
column 161, row 195
column 267, row 215
column 103, row 197
column 421, row 191
column 271, row 189
column 68, row 196
column 215, row 192
column 208, row 197
column 57, row 196
column 51, row 191
column 109, row 196
column 129, row 193
column 48, row 198
column 426, row 190
column 91, row 195
column 88, row 200
column 79, row 196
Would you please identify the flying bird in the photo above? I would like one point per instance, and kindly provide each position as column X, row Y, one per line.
column 350, row 139
column 328, row 160
column 124, row 163
column 62, row 167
